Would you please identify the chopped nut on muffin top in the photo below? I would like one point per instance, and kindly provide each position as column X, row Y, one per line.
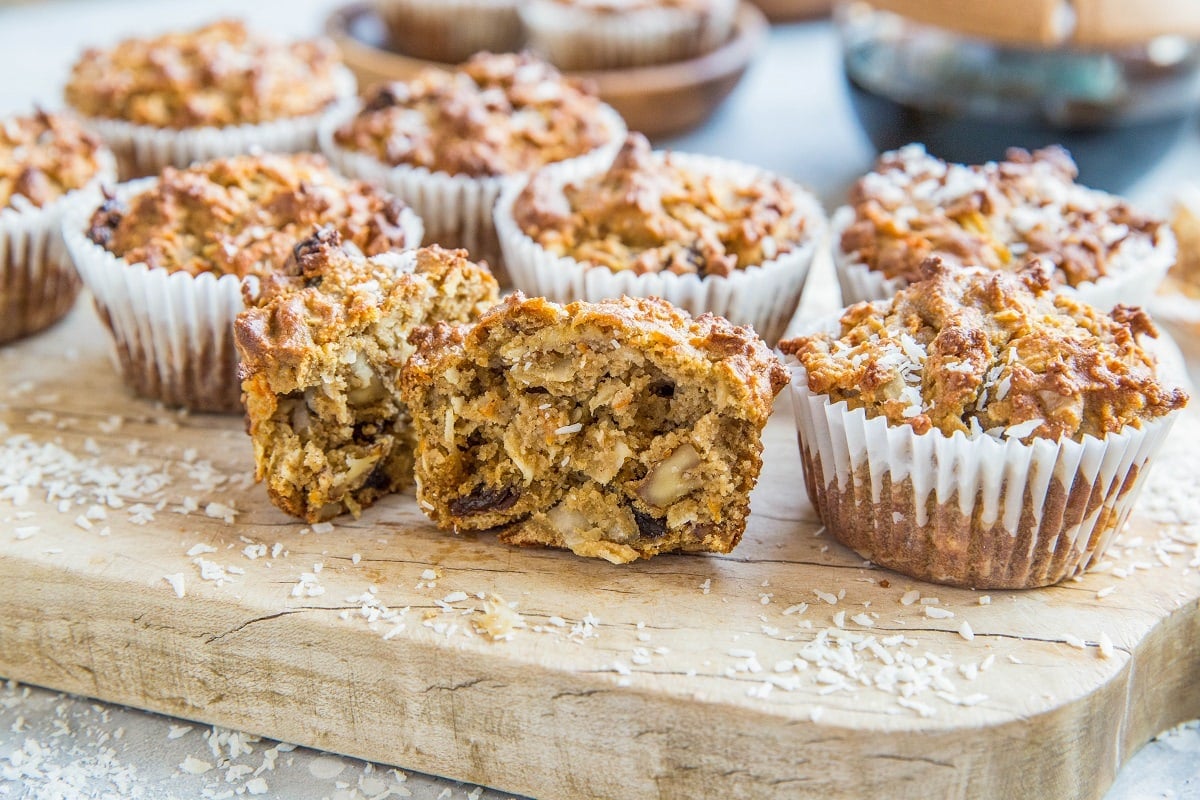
column 217, row 75
column 42, row 157
column 495, row 115
column 990, row 353
column 650, row 213
column 242, row 215
column 994, row 215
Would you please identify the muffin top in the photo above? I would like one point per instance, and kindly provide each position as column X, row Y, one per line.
column 990, row 354
column 494, row 115
column 994, row 215
column 242, row 215
column 218, row 75
column 42, row 157
column 651, row 212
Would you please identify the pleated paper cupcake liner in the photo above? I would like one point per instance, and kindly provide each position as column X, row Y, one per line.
column 456, row 209
column 764, row 296
column 453, row 30
column 1137, row 272
column 38, row 285
column 172, row 331
column 576, row 38
column 143, row 150
column 982, row 513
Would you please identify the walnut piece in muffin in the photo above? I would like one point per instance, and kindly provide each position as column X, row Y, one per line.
column 649, row 213
column 320, row 356
column 43, row 157
column 494, row 115
column 990, row 353
column 994, row 215
column 242, row 215
column 217, row 75
column 618, row 430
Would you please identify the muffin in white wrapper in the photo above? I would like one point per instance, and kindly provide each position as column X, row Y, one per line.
column 456, row 209
column 453, row 30
column 996, row 215
column 38, row 285
column 1003, row 508
column 764, row 296
column 1177, row 301
column 172, row 331
column 602, row 34
column 144, row 150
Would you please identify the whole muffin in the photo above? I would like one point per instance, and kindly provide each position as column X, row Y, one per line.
column 979, row 429
column 215, row 91
column 706, row 234
column 453, row 30
column 448, row 142
column 612, row 34
column 996, row 215
column 46, row 162
column 170, row 258
column 1177, row 302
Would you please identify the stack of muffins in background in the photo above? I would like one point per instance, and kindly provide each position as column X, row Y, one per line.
column 980, row 418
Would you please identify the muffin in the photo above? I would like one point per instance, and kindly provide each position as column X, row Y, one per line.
column 706, row 234
column 320, row 357
column 979, row 429
column 448, row 142
column 617, row 430
column 996, row 215
column 613, row 34
column 1177, row 302
column 46, row 162
column 452, row 30
column 168, row 260
column 216, row 91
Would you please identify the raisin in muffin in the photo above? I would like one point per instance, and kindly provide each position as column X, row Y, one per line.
column 452, row 30
column 320, row 357
column 219, row 90
column 996, row 215
column 168, row 258
column 448, row 142
column 613, row 34
column 704, row 233
column 46, row 162
column 979, row 429
column 617, row 430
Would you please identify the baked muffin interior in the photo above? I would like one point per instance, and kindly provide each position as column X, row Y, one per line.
column 616, row 430
column 320, row 358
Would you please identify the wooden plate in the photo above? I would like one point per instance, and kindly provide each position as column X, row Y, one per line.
column 659, row 100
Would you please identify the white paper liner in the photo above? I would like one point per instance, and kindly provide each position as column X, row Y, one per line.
column 453, row 30
column 456, row 209
column 982, row 512
column 1141, row 270
column 173, row 331
column 764, row 297
column 38, row 285
column 144, row 150
column 573, row 37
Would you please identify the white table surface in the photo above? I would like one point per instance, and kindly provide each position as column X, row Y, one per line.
column 791, row 114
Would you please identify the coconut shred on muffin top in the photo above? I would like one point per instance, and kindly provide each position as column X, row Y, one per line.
column 994, row 215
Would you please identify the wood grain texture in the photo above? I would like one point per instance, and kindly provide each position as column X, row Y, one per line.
column 659, row 100
column 550, row 713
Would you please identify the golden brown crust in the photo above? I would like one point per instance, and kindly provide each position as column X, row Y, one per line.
column 995, row 215
column 320, row 356
column 981, row 352
column 495, row 115
column 241, row 216
column 648, row 213
column 218, row 75
column 43, row 157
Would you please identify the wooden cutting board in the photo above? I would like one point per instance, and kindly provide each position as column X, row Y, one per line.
column 787, row 669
